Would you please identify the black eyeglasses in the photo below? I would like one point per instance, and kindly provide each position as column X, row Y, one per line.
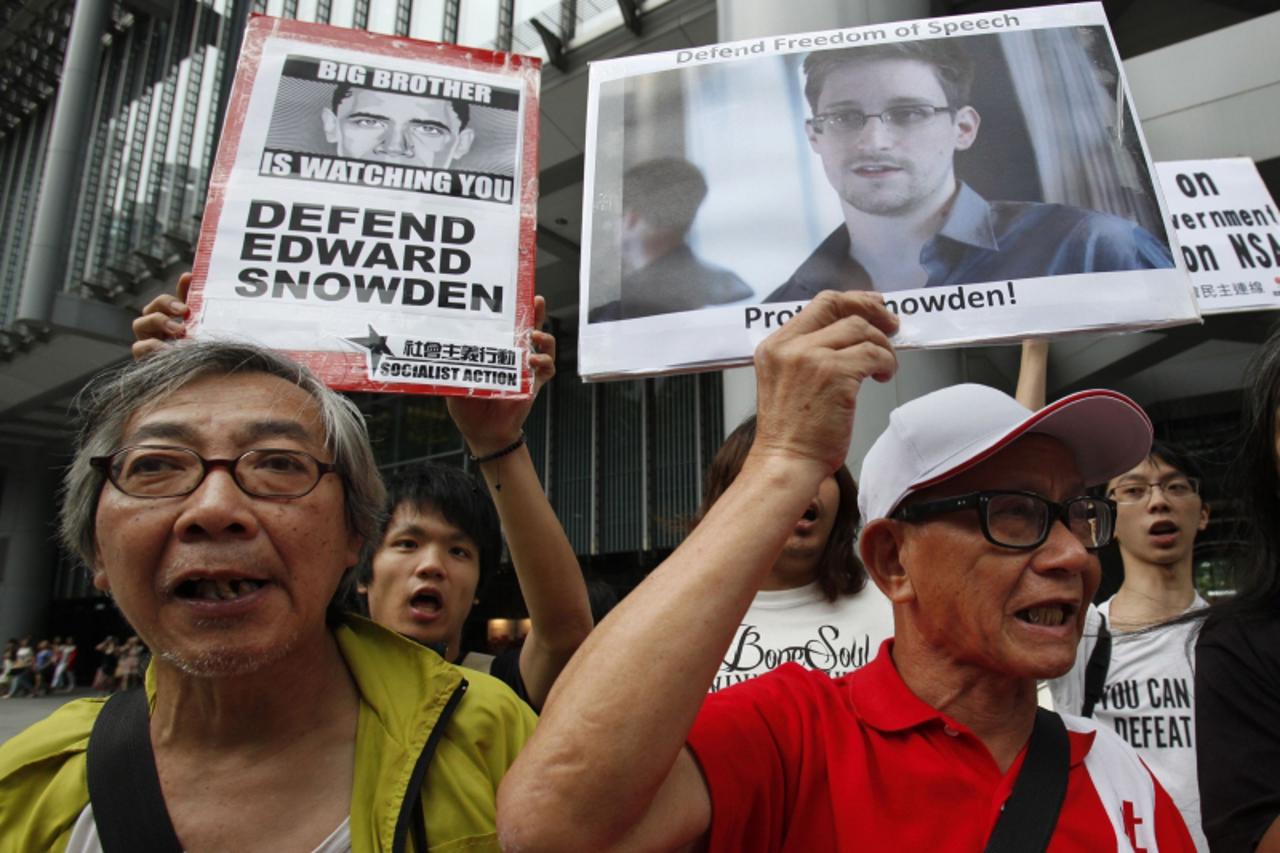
column 158, row 471
column 1016, row 519
column 906, row 117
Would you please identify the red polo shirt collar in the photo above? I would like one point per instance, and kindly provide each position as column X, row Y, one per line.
column 884, row 702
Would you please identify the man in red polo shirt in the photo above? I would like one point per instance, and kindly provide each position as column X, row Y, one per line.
column 979, row 531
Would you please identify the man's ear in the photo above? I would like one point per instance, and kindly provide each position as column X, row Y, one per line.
column 881, row 547
column 100, row 581
column 330, row 122
column 465, row 138
column 355, row 544
column 96, row 575
column 812, row 135
column 1204, row 516
column 966, row 124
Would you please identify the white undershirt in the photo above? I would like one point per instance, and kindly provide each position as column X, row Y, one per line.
column 84, row 836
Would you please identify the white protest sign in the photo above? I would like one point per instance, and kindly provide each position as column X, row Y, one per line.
column 985, row 172
column 372, row 210
column 1229, row 231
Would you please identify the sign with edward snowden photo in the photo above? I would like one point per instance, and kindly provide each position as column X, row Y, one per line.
column 372, row 210
column 984, row 172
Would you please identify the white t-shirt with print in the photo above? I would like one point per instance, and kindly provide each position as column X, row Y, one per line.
column 1148, row 700
column 800, row 625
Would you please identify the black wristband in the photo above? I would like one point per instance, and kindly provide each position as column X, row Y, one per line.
column 498, row 454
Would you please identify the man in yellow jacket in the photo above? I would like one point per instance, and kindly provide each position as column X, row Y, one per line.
column 221, row 495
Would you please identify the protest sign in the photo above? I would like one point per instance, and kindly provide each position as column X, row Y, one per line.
column 1228, row 230
column 985, row 172
column 372, row 210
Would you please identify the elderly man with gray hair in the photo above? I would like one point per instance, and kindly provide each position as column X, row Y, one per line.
column 222, row 495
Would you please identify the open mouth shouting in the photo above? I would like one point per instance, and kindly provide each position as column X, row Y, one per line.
column 208, row 589
column 1052, row 615
column 811, row 514
column 219, row 593
column 426, row 604
column 1164, row 533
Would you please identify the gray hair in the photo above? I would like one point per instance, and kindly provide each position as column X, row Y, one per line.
column 111, row 398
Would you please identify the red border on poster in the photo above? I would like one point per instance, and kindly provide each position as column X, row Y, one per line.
column 348, row 372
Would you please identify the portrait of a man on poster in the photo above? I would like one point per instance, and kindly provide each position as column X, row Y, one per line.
column 879, row 166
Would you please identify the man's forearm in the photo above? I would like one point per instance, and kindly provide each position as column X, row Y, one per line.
column 618, row 717
column 546, row 568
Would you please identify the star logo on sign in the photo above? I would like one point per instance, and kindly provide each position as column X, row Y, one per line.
column 375, row 343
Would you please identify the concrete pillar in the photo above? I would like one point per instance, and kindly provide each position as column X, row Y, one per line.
column 1216, row 95
column 27, row 553
column 920, row 372
column 68, row 149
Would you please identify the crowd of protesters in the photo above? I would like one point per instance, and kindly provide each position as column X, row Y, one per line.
column 978, row 541
column 39, row 668
column 47, row 666
column 120, row 664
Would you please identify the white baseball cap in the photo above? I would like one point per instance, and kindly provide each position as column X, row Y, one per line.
column 935, row 437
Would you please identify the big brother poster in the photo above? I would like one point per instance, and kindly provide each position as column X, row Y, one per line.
column 372, row 210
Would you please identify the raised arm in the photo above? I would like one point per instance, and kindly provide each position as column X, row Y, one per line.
column 607, row 767
column 546, row 567
column 1033, row 373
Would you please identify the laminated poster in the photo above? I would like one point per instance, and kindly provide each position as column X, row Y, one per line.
column 984, row 172
column 372, row 210
column 1228, row 230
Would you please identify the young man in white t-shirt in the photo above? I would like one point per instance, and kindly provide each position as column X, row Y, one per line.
column 816, row 607
column 1143, row 687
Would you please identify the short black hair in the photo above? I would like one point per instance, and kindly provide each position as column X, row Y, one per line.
column 457, row 496
column 1177, row 458
column 461, row 108
column 951, row 63
column 665, row 192
column 1173, row 455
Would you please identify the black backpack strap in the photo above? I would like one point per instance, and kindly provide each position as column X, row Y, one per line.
column 1095, row 671
column 412, row 824
column 124, row 787
column 418, row 829
column 1029, row 816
